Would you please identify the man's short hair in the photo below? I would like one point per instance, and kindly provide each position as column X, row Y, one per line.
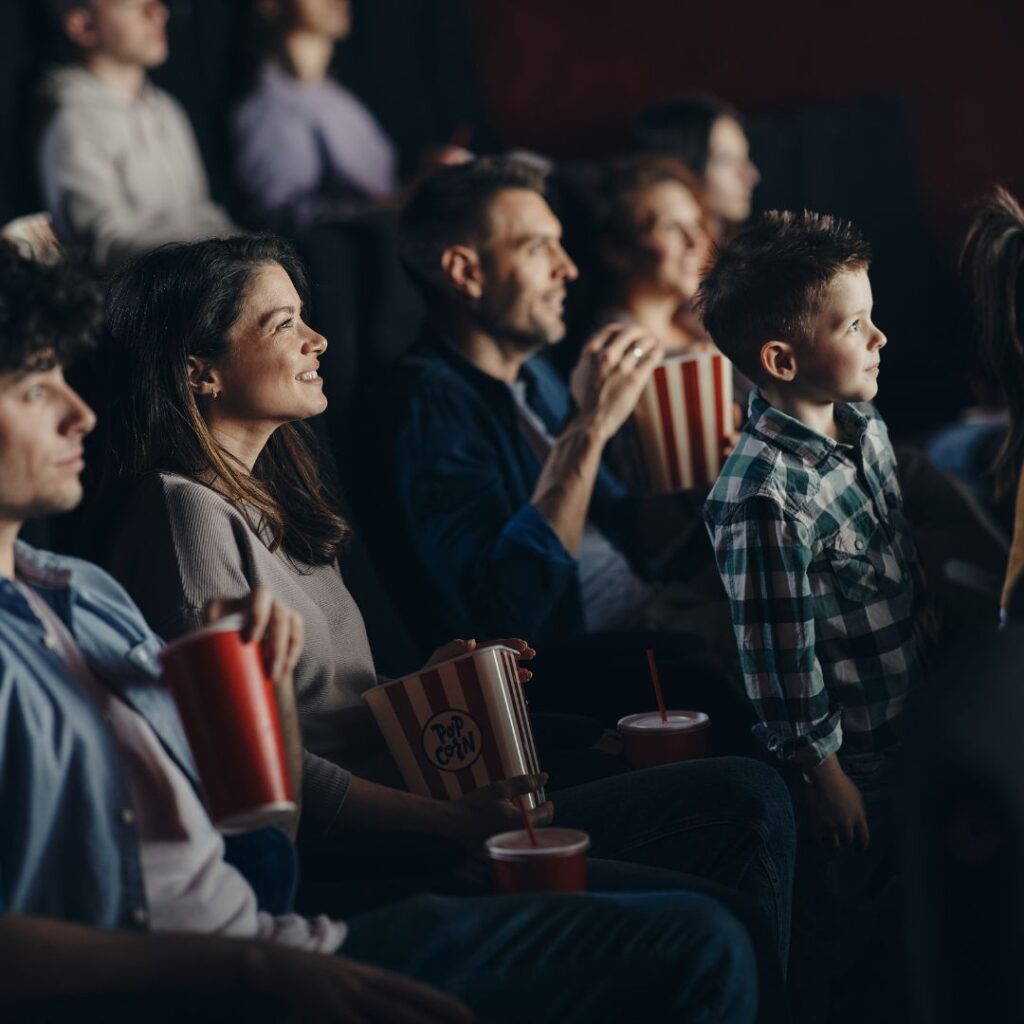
column 449, row 207
column 48, row 314
column 769, row 281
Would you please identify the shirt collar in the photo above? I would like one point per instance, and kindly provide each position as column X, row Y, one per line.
column 454, row 357
column 783, row 431
column 40, row 568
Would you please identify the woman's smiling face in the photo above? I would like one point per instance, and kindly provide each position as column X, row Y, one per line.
column 270, row 375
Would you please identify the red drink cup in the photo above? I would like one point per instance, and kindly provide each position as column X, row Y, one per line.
column 229, row 710
column 648, row 741
column 558, row 863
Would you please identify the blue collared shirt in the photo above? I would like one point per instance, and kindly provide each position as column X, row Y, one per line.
column 68, row 842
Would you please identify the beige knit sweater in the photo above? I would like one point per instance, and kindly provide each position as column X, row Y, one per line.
column 179, row 544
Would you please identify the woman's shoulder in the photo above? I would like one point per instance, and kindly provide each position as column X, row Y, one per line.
column 180, row 497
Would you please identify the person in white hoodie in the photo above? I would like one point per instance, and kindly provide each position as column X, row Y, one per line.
column 119, row 167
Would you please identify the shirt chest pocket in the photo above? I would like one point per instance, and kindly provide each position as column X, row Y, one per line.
column 862, row 562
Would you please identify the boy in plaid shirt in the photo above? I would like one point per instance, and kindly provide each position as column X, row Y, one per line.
column 809, row 532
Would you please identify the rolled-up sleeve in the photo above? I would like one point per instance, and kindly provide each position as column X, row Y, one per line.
column 764, row 560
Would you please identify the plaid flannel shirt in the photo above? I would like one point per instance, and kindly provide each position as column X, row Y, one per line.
column 823, row 579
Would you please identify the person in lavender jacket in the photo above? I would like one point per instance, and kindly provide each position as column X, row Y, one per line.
column 306, row 149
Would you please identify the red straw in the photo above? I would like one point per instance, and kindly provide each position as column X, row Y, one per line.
column 527, row 824
column 657, row 685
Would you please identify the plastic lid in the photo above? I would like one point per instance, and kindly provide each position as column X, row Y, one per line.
column 230, row 623
column 678, row 721
column 551, row 842
column 258, row 817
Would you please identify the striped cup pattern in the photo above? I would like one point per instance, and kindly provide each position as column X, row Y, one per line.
column 459, row 725
column 681, row 419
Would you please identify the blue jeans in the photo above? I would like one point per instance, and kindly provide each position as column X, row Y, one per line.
column 726, row 819
column 637, row 957
column 847, row 905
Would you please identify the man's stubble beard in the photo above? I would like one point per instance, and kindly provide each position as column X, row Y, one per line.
column 498, row 325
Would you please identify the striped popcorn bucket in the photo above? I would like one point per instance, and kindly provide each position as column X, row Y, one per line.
column 459, row 725
column 681, row 419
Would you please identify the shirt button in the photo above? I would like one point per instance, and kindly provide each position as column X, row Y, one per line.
column 128, row 816
column 140, row 915
column 859, row 545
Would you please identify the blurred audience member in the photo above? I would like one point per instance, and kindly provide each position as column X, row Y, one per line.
column 653, row 240
column 307, row 149
column 654, row 244
column 120, row 169
column 708, row 136
column 993, row 260
column 33, row 235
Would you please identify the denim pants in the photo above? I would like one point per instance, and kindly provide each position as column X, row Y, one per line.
column 728, row 820
column 637, row 957
column 846, row 942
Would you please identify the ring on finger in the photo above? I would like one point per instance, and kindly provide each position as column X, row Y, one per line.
column 638, row 352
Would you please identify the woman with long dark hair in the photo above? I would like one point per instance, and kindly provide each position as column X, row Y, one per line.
column 215, row 491
column 708, row 136
column 993, row 262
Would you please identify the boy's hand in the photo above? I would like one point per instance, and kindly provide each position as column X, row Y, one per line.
column 836, row 807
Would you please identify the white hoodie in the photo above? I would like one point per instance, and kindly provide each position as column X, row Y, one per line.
column 122, row 174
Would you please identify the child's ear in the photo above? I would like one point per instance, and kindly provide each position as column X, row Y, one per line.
column 778, row 360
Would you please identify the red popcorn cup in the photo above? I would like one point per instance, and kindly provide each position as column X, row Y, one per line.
column 558, row 863
column 459, row 725
column 684, row 415
column 229, row 711
column 648, row 741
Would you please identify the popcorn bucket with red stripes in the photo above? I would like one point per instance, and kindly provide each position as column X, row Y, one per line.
column 459, row 725
column 682, row 418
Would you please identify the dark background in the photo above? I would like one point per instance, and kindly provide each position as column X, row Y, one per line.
column 896, row 115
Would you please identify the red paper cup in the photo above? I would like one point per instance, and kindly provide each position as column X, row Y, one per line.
column 229, row 710
column 648, row 741
column 558, row 863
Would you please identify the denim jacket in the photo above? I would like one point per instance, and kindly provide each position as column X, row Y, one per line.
column 453, row 525
column 68, row 842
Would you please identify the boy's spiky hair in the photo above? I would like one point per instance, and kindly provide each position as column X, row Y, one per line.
column 769, row 281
